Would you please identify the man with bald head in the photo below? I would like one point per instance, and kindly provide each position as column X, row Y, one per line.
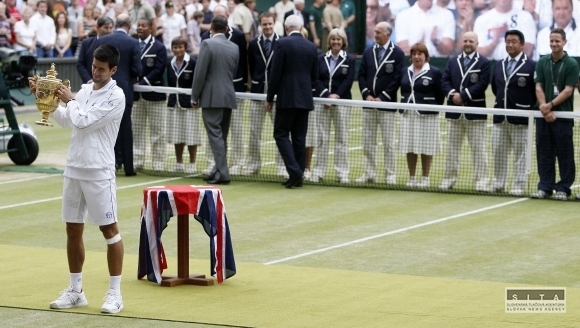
column 128, row 72
column 379, row 78
column 464, row 82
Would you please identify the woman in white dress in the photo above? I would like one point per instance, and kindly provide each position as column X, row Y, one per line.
column 420, row 134
column 25, row 32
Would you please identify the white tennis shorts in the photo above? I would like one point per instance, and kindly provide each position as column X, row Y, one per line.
column 98, row 198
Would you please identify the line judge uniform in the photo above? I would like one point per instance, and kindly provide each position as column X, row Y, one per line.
column 128, row 71
column 260, row 53
column 294, row 72
column 469, row 77
column 514, row 88
column 380, row 76
column 214, row 92
column 150, row 106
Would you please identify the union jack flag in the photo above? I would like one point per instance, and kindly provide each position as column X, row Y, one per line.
column 207, row 206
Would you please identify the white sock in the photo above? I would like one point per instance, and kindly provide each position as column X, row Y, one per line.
column 115, row 283
column 76, row 281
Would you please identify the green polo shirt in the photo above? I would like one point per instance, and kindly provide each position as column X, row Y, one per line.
column 316, row 17
column 561, row 73
column 348, row 9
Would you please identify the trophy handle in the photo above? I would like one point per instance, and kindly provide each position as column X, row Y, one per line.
column 66, row 83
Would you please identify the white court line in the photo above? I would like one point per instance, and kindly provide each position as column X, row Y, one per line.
column 392, row 232
column 29, row 179
column 58, row 198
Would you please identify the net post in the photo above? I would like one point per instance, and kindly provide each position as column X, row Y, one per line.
column 530, row 142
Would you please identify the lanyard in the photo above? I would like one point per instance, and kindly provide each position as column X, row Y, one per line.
column 552, row 73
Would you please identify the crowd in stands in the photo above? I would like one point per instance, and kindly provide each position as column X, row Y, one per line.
column 55, row 28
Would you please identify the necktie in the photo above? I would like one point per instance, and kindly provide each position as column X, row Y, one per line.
column 380, row 54
column 511, row 66
column 267, row 44
column 142, row 45
column 466, row 61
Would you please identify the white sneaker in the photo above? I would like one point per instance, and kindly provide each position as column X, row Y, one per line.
column 516, row 192
column 113, row 302
column 251, row 171
column 424, row 183
column 481, row 185
column 313, row 177
column 540, row 194
column 560, row 195
column 190, row 168
column 343, row 180
column 447, row 184
column 177, row 167
column 235, row 170
column 365, row 178
column 307, row 174
column 391, row 179
column 207, row 170
column 411, row 183
column 158, row 166
column 69, row 299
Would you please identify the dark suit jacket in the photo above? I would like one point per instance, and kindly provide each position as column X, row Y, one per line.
column 381, row 79
column 182, row 78
column 340, row 80
column 153, row 63
column 425, row 88
column 294, row 73
column 517, row 91
column 239, row 38
column 470, row 83
column 258, row 63
column 305, row 16
column 85, row 59
column 129, row 67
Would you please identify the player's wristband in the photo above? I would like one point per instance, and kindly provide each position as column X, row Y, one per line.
column 70, row 101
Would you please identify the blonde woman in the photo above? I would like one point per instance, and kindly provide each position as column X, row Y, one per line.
column 335, row 78
column 25, row 32
column 88, row 24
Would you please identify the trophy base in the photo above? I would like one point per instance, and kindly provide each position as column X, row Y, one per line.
column 44, row 123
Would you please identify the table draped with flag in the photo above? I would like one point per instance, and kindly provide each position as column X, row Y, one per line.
column 206, row 204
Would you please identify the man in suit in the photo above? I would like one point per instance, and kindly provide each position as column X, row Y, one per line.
column 87, row 47
column 464, row 82
column 128, row 71
column 260, row 62
column 379, row 78
column 514, row 88
column 300, row 12
column 240, row 82
column 214, row 92
column 294, row 72
column 150, row 106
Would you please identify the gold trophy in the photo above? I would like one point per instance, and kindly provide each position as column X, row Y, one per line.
column 46, row 100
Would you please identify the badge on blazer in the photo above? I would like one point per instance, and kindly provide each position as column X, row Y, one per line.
column 425, row 82
column 389, row 68
column 344, row 70
column 187, row 76
column 522, row 81
column 474, row 77
column 150, row 62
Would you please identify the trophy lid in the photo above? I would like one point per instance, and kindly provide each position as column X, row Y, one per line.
column 51, row 74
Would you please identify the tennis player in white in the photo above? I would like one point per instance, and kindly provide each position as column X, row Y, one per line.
column 89, row 177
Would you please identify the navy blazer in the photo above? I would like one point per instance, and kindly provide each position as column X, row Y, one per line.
column 239, row 38
column 424, row 89
column 517, row 91
column 470, row 84
column 85, row 59
column 258, row 63
column 381, row 79
column 153, row 63
column 129, row 67
column 340, row 80
column 294, row 73
column 182, row 78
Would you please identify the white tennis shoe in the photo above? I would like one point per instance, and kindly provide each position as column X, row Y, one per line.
column 113, row 302
column 69, row 298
